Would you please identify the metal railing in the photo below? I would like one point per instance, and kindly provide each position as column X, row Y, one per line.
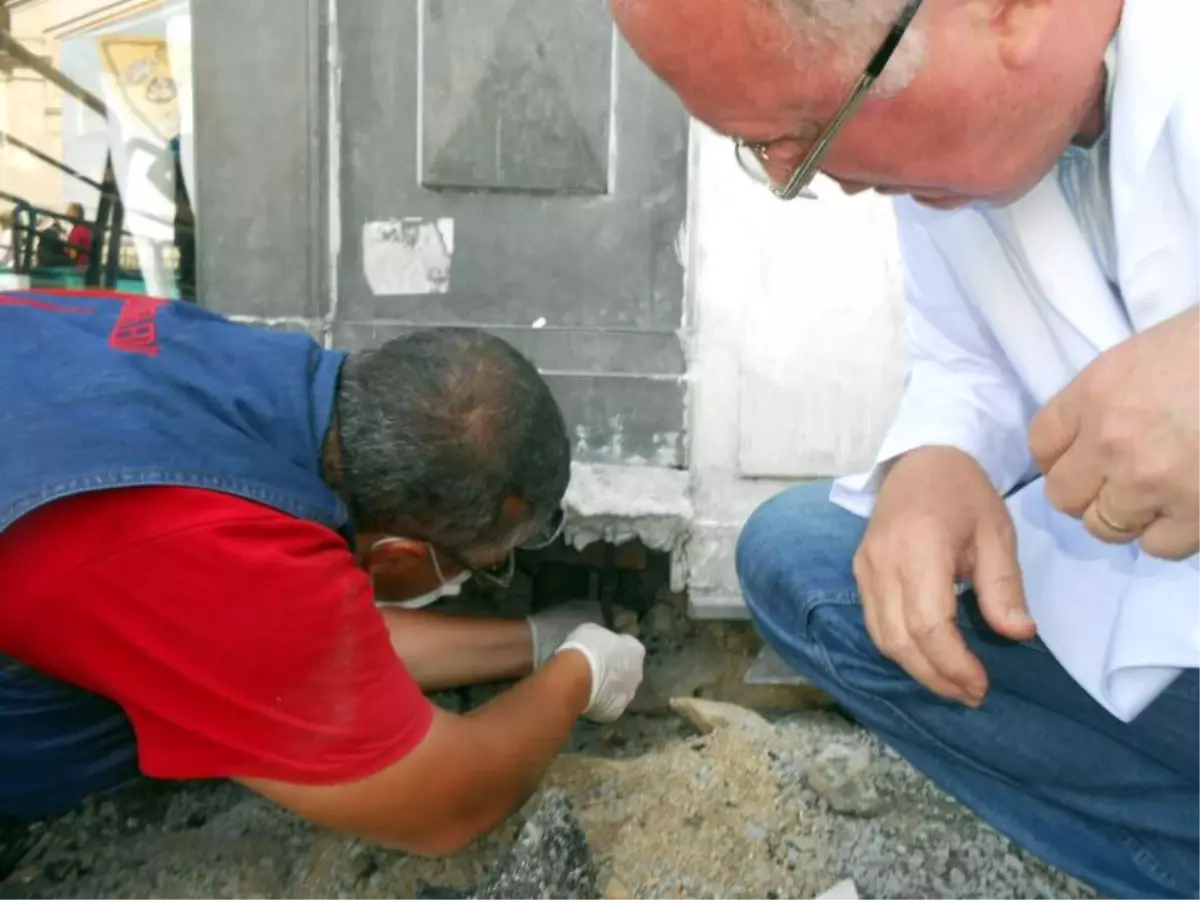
column 28, row 227
column 111, row 254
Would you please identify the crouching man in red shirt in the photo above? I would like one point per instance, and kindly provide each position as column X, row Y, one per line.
column 192, row 514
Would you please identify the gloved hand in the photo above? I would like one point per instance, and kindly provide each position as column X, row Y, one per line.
column 550, row 627
column 616, row 663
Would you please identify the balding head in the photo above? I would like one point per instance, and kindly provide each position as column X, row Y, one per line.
column 841, row 33
column 978, row 101
column 449, row 435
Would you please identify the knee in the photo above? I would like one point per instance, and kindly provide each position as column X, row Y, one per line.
column 797, row 546
column 795, row 567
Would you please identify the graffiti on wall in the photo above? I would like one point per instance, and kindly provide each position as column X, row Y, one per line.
column 140, row 73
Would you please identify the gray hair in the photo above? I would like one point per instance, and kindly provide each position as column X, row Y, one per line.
column 856, row 28
column 438, row 428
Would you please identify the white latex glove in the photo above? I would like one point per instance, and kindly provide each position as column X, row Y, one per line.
column 550, row 628
column 616, row 663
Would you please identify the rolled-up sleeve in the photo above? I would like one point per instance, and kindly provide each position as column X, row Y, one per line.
column 959, row 389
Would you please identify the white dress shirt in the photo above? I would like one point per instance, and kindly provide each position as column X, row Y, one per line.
column 1007, row 305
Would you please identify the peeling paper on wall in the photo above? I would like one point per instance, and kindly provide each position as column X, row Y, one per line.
column 408, row 256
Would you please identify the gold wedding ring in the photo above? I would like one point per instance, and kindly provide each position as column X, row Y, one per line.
column 1110, row 524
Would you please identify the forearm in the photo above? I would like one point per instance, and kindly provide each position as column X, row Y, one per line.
column 515, row 737
column 467, row 775
column 443, row 651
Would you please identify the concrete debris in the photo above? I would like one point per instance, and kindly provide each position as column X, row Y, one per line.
column 843, row 890
column 728, row 813
column 708, row 716
column 709, row 660
column 768, row 668
column 842, row 776
column 550, row 858
column 616, row 503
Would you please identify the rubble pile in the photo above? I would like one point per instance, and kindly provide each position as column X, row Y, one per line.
column 713, row 801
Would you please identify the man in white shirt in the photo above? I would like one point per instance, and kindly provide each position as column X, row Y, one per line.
column 1009, row 597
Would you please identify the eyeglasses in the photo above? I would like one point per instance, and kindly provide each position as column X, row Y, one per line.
column 501, row 575
column 548, row 533
column 753, row 157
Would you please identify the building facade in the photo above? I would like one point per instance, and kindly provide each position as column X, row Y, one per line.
column 355, row 168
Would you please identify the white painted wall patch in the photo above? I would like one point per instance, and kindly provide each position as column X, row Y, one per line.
column 408, row 256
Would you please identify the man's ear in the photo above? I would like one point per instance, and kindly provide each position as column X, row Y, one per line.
column 1021, row 28
column 514, row 507
column 378, row 555
column 515, row 512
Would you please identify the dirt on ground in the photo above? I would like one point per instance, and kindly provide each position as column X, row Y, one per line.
column 712, row 801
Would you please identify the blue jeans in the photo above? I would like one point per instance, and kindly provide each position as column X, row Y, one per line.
column 58, row 744
column 1114, row 804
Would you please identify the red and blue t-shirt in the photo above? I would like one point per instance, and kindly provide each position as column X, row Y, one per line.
column 238, row 640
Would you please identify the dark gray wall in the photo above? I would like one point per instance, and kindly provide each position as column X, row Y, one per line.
column 507, row 164
column 260, row 101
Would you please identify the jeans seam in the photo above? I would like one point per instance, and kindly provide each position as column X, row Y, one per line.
column 1142, row 856
column 815, row 598
column 1148, row 862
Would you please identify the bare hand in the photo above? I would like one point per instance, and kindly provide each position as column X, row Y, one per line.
column 938, row 519
column 1120, row 445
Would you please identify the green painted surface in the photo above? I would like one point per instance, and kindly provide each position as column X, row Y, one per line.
column 68, row 277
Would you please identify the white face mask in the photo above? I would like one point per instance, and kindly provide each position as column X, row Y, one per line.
column 451, row 587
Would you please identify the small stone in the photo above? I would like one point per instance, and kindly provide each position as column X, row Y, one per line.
column 845, row 889
column 625, row 621
column 842, row 775
column 709, row 715
column 616, row 890
column 660, row 620
column 550, row 857
column 614, row 738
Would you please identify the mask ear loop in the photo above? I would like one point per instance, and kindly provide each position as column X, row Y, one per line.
column 383, row 542
column 433, row 557
column 540, row 541
column 433, row 596
column 437, row 566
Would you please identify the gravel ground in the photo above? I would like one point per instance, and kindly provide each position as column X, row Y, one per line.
column 749, row 809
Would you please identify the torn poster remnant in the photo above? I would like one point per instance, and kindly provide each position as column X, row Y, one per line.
column 408, row 256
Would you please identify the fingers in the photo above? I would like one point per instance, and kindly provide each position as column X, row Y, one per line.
column 930, row 620
column 1113, row 510
column 997, row 580
column 1054, row 429
column 1172, row 538
column 1134, row 494
column 1118, row 517
column 1073, row 480
column 910, row 615
column 1118, row 445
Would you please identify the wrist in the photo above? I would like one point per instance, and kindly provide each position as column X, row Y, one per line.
column 575, row 668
